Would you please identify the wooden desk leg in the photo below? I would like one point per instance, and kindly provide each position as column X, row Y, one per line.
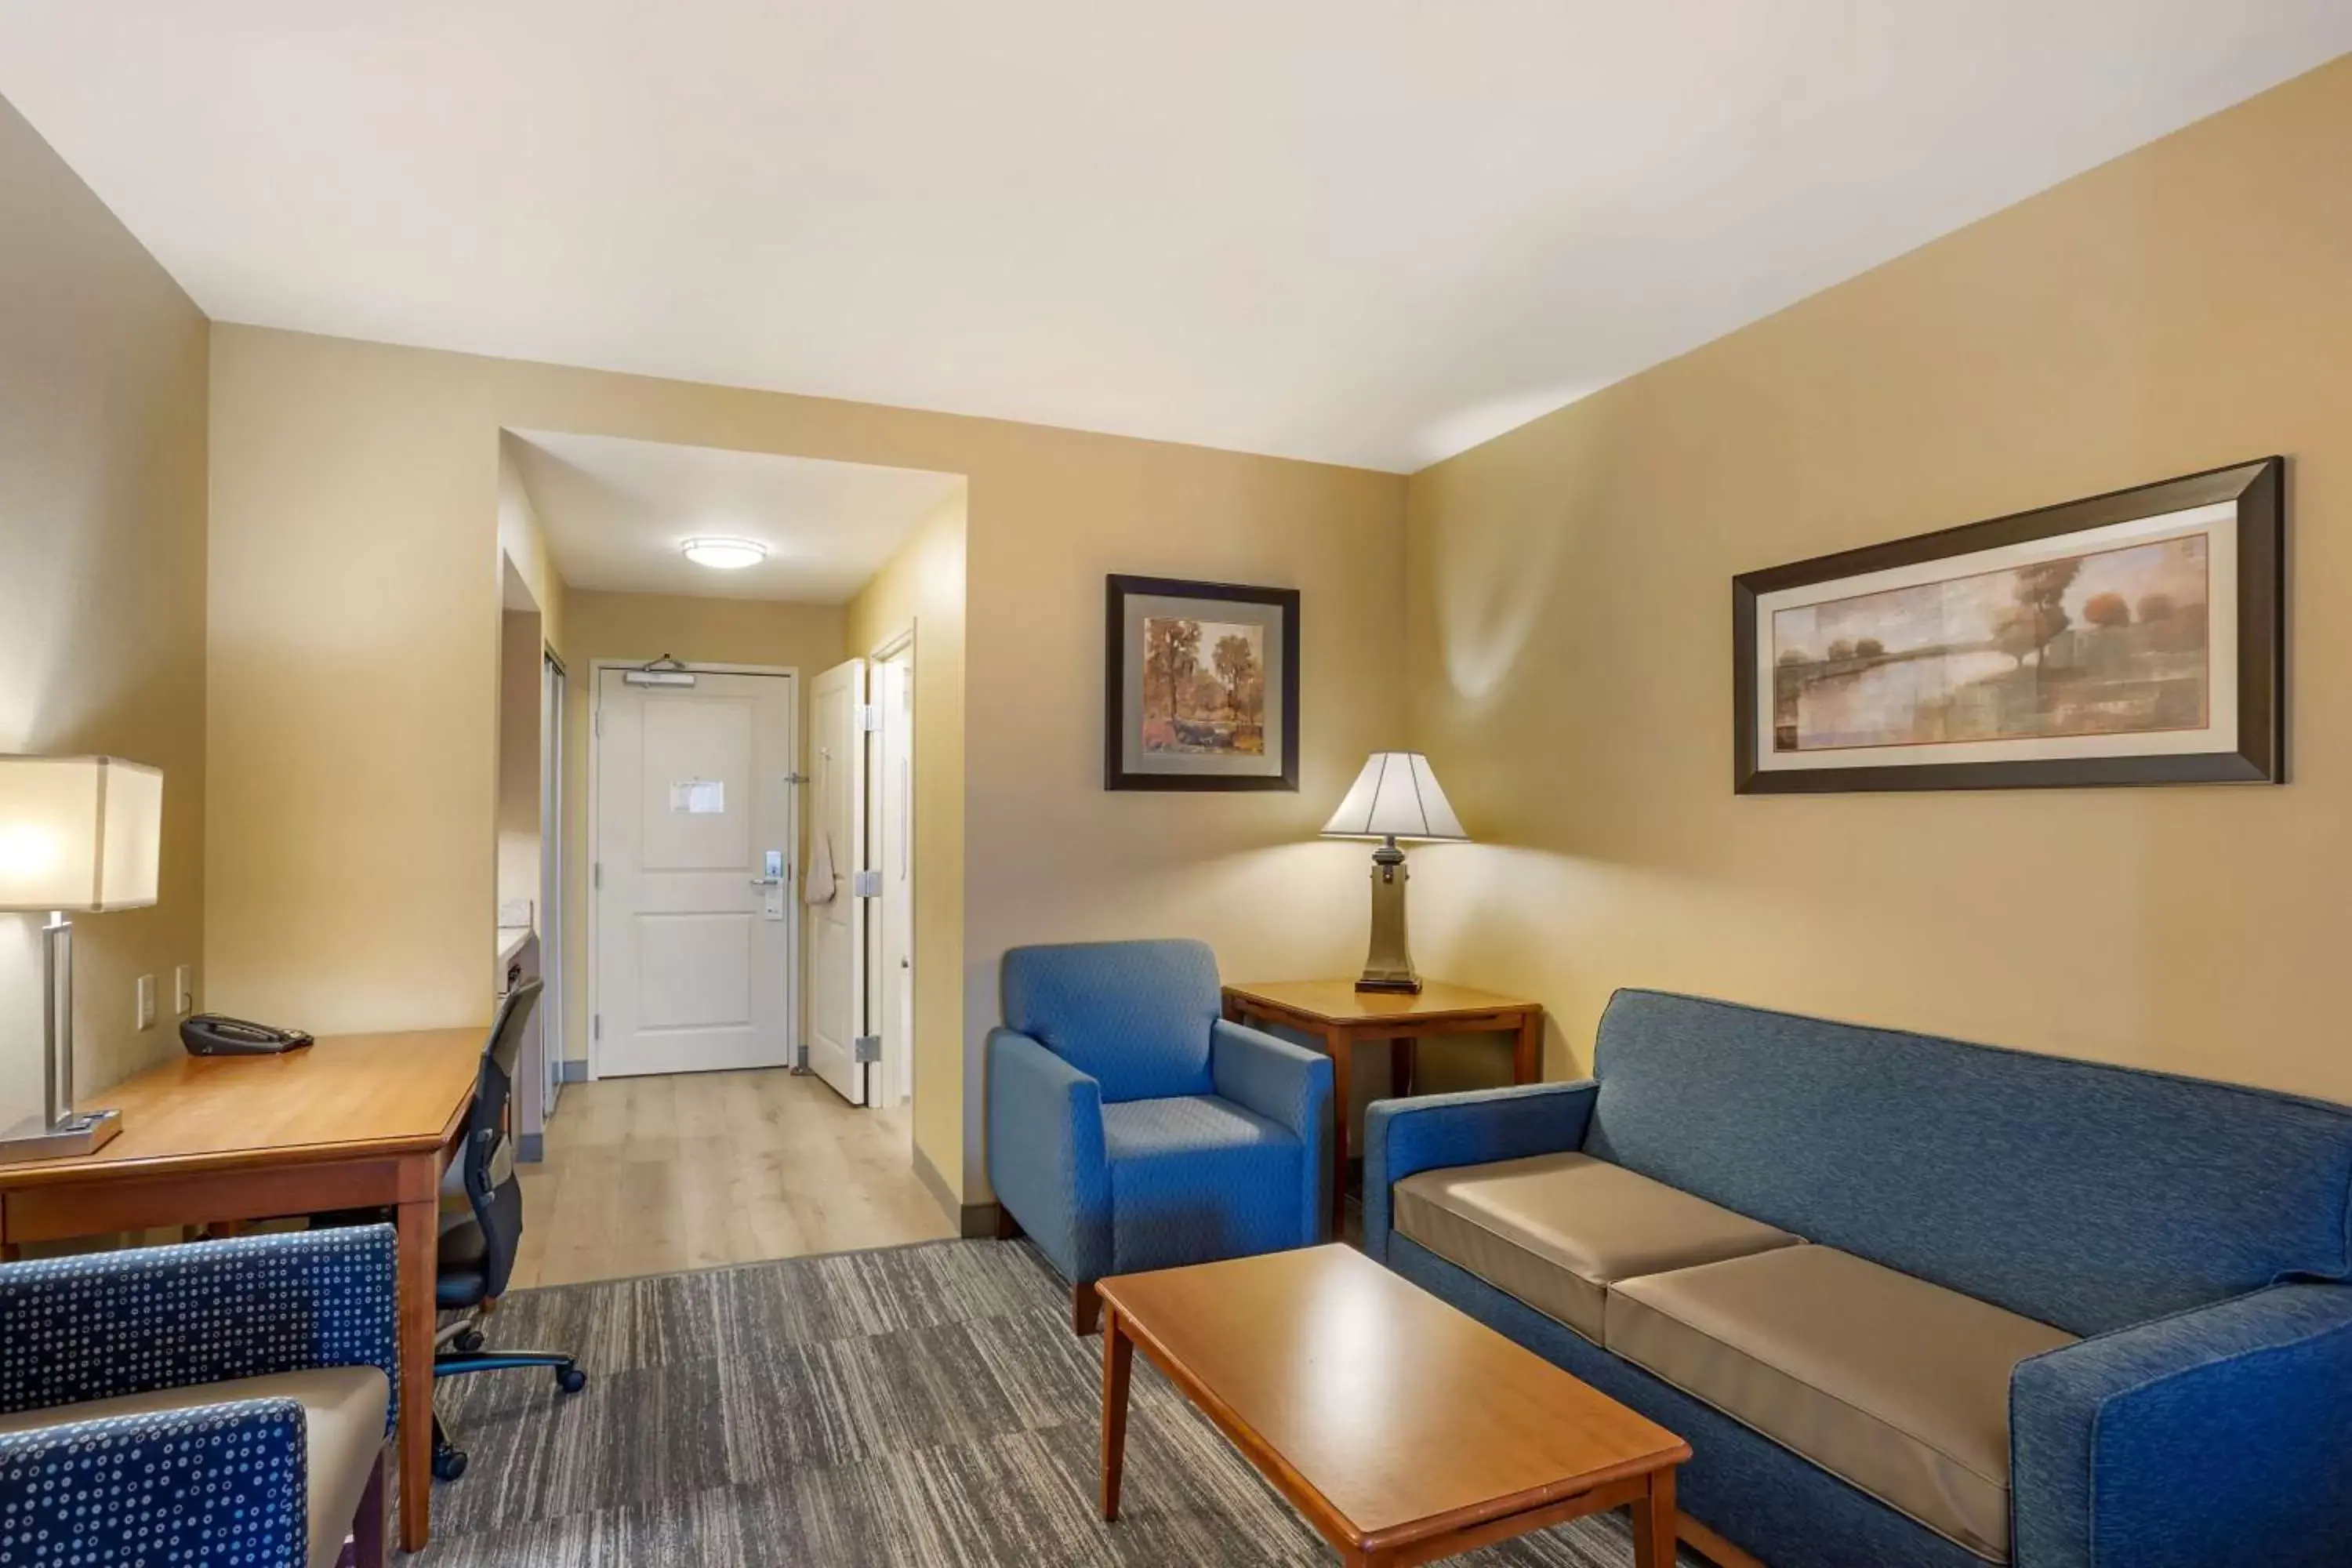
column 1654, row 1523
column 1118, row 1356
column 1339, row 1046
column 419, row 1219
column 1526, row 1051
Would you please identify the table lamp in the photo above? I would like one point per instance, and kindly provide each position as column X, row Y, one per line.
column 1395, row 797
column 78, row 835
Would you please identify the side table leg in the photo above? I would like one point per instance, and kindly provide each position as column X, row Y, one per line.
column 1340, row 1046
column 1118, row 1356
column 1526, row 1051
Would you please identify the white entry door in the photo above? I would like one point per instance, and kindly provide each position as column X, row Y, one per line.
column 694, row 867
column 837, row 1048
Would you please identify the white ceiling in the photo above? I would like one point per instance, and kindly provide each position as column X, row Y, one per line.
column 1371, row 231
column 616, row 512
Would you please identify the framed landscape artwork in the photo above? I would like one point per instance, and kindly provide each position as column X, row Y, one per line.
column 1201, row 689
column 2130, row 638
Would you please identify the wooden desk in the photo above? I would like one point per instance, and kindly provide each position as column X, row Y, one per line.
column 356, row 1121
column 1338, row 1015
column 1404, row 1430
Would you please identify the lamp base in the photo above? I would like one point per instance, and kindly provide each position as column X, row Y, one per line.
column 84, row 1132
column 1389, row 965
column 1379, row 983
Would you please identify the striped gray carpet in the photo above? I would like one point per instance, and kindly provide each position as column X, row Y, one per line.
column 917, row 1405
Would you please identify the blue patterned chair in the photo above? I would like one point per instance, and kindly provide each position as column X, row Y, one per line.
column 225, row 1402
column 1131, row 1127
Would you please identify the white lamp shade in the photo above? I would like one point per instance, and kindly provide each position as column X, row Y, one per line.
column 1396, row 796
column 82, row 834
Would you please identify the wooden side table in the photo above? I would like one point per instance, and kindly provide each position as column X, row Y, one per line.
column 1337, row 1017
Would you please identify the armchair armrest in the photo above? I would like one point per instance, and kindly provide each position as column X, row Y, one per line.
column 1045, row 1152
column 1286, row 1084
column 2221, row 1434
column 1404, row 1137
column 126, row 1488
column 105, row 1325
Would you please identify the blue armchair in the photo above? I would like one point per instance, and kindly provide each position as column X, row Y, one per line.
column 1131, row 1127
column 223, row 1402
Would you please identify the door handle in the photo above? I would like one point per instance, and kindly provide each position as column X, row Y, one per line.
column 767, row 881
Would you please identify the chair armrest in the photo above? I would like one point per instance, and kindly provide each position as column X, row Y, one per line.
column 2221, row 1434
column 222, row 1482
column 1404, row 1137
column 1285, row 1084
column 104, row 1324
column 1045, row 1152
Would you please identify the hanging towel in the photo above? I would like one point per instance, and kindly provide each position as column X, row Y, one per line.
column 818, row 887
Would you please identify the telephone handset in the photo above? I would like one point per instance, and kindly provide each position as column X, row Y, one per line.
column 210, row 1035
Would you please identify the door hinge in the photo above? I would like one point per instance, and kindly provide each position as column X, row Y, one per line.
column 866, row 1049
column 600, row 720
column 596, row 1027
column 599, row 875
column 865, row 884
column 869, row 717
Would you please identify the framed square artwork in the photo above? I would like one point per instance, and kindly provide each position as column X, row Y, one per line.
column 1201, row 686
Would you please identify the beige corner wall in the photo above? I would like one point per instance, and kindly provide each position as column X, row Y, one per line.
column 922, row 590
column 355, row 526
column 102, row 389
column 2188, row 306
column 634, row 628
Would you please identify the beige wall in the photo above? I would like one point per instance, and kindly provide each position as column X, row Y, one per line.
column 2188, row 306
column 102, row 389
column 634, row 628
column 921, row 589
column 354, row 521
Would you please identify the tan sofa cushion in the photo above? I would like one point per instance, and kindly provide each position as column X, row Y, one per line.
column 1897, row 1386
column 1556, row 1229
column 342, row 1412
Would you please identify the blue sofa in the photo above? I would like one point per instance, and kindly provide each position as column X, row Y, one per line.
column 1914, row 1301
column 1131, row 1127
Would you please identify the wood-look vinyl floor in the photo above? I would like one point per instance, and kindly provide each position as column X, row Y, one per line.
column 653, row 1176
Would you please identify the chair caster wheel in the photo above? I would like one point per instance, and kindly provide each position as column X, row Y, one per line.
column 468, row 1342
column 571, row 1379
column 448, row 1464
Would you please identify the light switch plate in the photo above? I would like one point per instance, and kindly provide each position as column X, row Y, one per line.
column 184, row 990
column 146, row 1000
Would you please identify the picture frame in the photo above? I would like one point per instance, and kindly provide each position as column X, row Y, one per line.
column 2135, row 637
column 1201, row 686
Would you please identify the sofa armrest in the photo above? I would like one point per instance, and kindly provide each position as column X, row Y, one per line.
column 2217, row 1435
column 223, row 1483
column 1045, row 1152
column 1285, row 1084
column 103, row 1324
column 1402, row 1137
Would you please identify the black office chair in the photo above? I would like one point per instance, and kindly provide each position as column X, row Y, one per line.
column 477, row 1253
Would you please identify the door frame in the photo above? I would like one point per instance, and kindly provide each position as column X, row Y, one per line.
column 797, row 1046
column 893, row 647
column 554, row 871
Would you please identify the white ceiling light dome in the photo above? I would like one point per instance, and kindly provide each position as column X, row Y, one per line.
column 724, row 554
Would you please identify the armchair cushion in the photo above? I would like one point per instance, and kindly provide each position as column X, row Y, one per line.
column 1133, row 1015
column 102, row 1325
column 203, row 1441
column 1196, row 1177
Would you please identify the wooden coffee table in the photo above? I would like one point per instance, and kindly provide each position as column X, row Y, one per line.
column 1405, row 1431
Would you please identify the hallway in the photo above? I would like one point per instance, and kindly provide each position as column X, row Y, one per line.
column 649, row 1175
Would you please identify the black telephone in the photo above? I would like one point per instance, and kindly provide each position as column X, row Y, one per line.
column 210, row 1035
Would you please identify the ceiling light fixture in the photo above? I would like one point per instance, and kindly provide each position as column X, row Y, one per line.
column 724, row 554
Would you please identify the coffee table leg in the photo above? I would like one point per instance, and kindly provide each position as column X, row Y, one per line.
column 1654, row 1523
column 1118, row 1357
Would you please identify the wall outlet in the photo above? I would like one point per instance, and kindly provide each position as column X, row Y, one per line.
column 184, row 990
column 146, row 1000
